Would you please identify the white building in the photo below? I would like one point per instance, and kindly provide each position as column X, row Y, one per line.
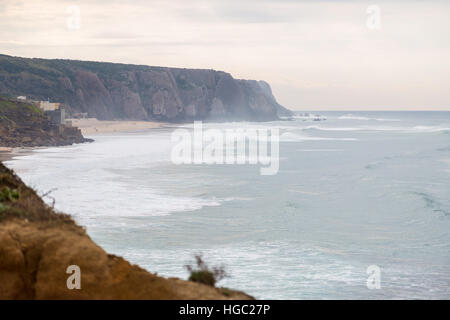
column 48, row 106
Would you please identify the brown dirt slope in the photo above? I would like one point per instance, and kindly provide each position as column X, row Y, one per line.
column 37, row 245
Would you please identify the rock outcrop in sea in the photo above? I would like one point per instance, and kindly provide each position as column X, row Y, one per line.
column 113, row 91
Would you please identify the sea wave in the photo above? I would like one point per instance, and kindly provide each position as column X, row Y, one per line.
column 293, row 137
column 433, row 204
column 316, row 127
column 430, row 129
column 353, row 117
column 415, row 129
column 309, row 117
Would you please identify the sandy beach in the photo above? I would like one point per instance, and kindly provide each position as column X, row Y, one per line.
column 5, row 153
column 92, row 126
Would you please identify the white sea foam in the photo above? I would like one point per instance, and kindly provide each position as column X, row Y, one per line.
column 429, row 129
column 320, row 150
column 447, row 161
column 353, row 117
column 324, row 128
column 414, row 129
column 98, row 178
column 309, row 117
column 294, row 137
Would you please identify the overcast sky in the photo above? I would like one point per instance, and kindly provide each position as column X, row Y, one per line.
column 317, row 55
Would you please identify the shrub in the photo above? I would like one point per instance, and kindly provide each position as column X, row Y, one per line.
column 7, row 194
column 201, row 273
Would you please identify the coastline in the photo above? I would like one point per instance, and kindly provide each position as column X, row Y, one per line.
column 92, row 126
column 6, row 153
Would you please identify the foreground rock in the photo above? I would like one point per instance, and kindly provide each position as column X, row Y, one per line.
column 113, row 91
column 37, row 245
column 24, row 125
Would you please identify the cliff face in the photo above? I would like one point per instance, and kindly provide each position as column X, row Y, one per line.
column 24, row 125
column 110, row 91
column 37, row 245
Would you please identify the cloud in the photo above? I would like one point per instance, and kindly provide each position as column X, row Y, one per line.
column 310, row 51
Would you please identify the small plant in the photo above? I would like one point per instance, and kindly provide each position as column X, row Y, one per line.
column 203, row 274
column 7, row 194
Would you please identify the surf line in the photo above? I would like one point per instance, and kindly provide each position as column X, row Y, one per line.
column 229, row 146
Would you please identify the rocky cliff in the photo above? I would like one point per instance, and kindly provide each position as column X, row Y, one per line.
column 111, row 91
column 25, row 125
column 38, row 244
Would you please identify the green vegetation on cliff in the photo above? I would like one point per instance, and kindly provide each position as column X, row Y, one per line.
column 11, row 111
column 23, row 124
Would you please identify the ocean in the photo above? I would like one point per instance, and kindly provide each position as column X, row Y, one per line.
column 354, row 191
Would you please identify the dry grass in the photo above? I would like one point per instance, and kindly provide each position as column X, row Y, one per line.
column 27, row 204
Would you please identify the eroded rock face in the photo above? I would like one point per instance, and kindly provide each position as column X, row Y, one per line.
column 120, row 91
column 34, row 258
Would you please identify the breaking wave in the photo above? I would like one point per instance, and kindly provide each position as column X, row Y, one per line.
column 353, row 117
column 415, row 129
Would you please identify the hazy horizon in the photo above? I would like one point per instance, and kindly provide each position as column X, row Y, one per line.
column 316, row 55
